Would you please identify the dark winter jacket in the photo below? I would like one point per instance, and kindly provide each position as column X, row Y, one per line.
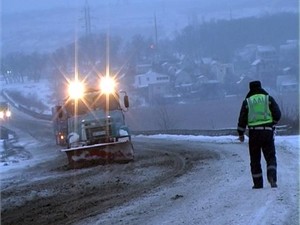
column 243, row 117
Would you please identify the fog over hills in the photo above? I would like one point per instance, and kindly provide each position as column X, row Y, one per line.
column 35, row 25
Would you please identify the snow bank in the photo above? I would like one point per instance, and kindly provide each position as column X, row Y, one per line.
column 290, row 143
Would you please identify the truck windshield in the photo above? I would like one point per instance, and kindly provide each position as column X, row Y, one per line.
column 94, row 101
column 3, row 106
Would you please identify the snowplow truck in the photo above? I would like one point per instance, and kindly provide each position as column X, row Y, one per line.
column 91, row 126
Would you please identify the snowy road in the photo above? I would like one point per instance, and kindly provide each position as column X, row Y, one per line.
column 49, row 193
column 217, row 191
column 173, row 180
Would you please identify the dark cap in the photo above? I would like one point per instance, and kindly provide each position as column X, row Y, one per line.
column 254, row 85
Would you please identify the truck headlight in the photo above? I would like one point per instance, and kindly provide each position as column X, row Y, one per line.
column 8, row 113
column 76, row 90
column 107, row 85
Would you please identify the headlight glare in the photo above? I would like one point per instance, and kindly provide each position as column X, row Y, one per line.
column 107, row 85
column 76, row 90
column 8, row 113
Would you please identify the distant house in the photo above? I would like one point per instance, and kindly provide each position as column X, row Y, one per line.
column 187, row 64
column 266, row 64
column 205, row 67
column 287, row 83
column 150, row 78
column 169, row 68
column 183, row 81
column 289, row 53
column 247, row 53
column 152, row 85
column 207, row 60
column 221, row 70
column 266, row 53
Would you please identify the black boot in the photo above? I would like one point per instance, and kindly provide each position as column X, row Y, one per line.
column 258, row 183
column 272, row 182
column 257, row 186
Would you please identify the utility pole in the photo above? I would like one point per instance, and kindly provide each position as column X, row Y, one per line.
column 87, row 19
column 155, row 45
column 155, row 27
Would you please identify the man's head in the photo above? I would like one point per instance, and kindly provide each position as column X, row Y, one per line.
column 254, row 85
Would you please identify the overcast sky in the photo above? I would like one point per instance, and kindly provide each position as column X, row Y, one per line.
column 11, row 6
column 31, row 25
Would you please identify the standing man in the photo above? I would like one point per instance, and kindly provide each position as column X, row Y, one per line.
column 260, row 113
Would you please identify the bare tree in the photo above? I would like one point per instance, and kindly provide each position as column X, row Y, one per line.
column 163, row 117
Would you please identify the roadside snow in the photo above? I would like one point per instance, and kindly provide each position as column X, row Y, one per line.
column 225, row 198
column 40, row 91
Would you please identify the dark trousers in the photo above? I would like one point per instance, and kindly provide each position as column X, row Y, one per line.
column 262, row 141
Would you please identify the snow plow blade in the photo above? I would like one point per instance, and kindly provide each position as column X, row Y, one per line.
column 99, row 154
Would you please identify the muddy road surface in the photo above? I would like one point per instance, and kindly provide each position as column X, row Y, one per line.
column 49, row 192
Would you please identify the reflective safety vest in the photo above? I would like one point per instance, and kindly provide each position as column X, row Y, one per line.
column 258, row 110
